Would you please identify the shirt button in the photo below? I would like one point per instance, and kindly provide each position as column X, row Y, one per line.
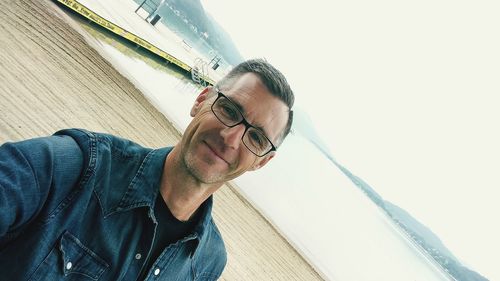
column 69, row 265
column 157, row 271
column 138, row 256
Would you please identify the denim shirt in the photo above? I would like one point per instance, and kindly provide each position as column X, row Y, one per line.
column 79, row 206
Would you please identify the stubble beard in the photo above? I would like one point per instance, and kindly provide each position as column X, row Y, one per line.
column 190, row 161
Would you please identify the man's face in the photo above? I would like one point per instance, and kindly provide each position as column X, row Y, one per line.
column 213, row 152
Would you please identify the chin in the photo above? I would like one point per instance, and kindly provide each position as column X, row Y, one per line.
column 205, row 177
column 202, row 171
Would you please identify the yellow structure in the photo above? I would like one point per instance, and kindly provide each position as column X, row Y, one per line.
column 94, row 17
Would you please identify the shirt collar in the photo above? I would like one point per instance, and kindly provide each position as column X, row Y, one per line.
column 143, row 188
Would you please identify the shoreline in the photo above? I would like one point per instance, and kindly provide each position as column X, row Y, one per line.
column 53, row 78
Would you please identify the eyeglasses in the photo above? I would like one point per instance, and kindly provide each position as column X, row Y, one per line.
column 228, row 113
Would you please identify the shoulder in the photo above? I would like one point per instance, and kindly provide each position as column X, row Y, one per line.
column 106, row 155
column 88, row 138
column 103, row 143
column 44, row 157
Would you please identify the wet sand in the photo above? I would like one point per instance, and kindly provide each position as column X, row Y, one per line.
column 50, row 79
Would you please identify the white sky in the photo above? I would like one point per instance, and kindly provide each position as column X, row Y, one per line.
column 405, row 93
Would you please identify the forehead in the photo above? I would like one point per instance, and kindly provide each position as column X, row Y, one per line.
column 259, row 106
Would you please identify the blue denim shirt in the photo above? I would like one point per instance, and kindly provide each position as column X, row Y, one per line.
column 79, row 206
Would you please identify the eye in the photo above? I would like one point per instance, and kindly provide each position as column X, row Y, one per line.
column 229, row 111
column 257, row 138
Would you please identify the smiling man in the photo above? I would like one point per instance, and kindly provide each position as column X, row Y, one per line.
column 94, row 206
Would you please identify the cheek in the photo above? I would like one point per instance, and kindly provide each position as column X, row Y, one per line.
column 201, row 120
column 205, row 116
column 246, row 159
column 202, row 126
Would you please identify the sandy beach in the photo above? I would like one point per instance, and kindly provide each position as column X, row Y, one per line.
column 50, row 79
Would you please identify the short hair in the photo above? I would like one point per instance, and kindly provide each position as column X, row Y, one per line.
column 272, row 78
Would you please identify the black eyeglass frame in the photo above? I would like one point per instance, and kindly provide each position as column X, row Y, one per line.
column 243, row 121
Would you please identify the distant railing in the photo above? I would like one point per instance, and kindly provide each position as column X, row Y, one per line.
column 199, row 72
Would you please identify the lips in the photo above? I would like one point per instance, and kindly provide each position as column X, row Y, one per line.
column 215, row 152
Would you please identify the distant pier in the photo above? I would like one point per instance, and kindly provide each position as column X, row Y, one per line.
column 122, row 19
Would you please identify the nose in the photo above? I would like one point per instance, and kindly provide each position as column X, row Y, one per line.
column 232, row 136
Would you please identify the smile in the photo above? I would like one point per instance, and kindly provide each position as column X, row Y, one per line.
column 215, row 153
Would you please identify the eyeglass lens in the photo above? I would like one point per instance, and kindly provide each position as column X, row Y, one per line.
column 229, row 115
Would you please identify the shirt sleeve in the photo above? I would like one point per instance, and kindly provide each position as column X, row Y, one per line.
column 31, row 171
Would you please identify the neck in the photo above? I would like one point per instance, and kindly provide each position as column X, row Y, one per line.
column 182, row 193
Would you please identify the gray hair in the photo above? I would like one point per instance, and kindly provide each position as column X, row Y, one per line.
column 272, row 78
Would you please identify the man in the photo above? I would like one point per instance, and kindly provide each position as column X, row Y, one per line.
column 86, row 206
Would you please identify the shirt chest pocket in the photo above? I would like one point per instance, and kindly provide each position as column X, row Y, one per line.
column 70, row 260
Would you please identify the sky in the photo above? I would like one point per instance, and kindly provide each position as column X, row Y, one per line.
column 406, row 95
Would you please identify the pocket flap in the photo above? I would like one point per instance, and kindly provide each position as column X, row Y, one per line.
column 78, row 259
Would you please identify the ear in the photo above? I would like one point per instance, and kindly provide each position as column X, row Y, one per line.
column 262, row 161
column 199, row 101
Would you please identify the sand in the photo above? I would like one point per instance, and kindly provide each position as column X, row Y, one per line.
column 51, row 78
